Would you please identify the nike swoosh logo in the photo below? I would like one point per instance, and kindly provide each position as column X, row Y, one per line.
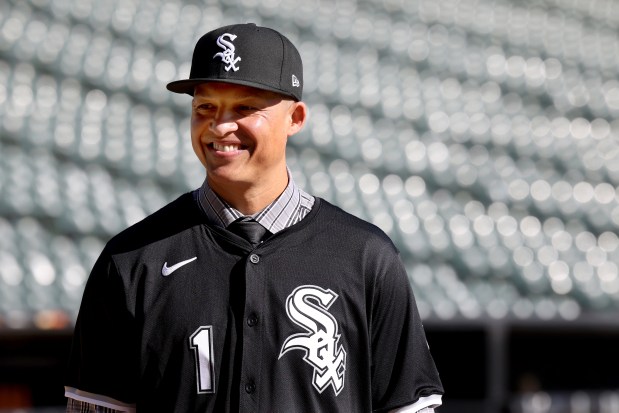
column 165, row 270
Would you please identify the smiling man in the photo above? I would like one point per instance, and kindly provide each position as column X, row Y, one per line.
column 248, row 294
column 239, row 133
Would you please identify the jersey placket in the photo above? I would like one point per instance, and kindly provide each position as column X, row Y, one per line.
column 249, row 399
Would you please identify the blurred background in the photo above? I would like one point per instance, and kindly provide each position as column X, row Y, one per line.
column 481, row 135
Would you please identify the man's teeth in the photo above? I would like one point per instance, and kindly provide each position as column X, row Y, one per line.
column 225, row 148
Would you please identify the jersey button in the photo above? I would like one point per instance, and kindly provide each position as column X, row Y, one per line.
column 254, row 258
column 252, row 320
column 250, row 387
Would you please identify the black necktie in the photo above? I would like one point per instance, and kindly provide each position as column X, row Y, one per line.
column 249, row 229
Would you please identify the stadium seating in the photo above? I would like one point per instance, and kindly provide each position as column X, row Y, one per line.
column 481, row 135
column 488, row 152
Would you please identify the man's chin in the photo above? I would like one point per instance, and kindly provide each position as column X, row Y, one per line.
column 228, row 178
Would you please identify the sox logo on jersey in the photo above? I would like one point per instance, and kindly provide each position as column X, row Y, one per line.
column 227, row 56
column 307, row 307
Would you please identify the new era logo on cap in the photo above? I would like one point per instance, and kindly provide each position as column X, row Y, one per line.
column 248, row 55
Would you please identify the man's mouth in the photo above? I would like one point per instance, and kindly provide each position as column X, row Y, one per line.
column 226, row 147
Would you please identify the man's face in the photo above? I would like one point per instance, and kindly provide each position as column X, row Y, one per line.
column 239, row 133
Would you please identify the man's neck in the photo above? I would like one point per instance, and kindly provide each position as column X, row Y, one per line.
column 249, row 199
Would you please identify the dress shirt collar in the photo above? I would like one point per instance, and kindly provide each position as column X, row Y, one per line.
column 288, row 209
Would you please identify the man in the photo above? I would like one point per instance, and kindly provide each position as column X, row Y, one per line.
column 248, row 294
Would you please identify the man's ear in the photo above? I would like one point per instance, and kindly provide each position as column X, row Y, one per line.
column 298, row 117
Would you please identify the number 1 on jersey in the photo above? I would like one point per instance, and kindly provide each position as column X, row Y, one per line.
column 201, row 341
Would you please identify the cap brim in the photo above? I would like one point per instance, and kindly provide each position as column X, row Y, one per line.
column 188, row 85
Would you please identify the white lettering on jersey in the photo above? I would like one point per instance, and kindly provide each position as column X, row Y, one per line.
column 227, row 56
column 201, row 342
column 307, row 307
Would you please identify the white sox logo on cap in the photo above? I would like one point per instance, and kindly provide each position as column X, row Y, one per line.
column 227, row 56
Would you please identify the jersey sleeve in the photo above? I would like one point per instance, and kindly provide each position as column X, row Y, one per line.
column 403, row 370
column 102, row 366
column 77, row 406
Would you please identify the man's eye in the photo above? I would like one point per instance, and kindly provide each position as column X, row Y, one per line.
column 204, row 106
column 247, row 108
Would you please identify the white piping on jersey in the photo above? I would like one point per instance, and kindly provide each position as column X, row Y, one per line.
column 429, row 402
column 98, row 400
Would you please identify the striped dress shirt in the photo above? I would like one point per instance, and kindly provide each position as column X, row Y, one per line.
column 288, row 209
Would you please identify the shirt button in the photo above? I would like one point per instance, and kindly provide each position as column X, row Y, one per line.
column 250, row 387
column 255, row 259
column 252, row 320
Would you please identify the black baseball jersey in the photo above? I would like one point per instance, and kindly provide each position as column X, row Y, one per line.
column 182, row 316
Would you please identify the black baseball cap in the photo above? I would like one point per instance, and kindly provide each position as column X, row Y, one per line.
column 245, row 54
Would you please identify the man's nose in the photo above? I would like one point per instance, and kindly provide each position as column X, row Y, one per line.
column 223, row 123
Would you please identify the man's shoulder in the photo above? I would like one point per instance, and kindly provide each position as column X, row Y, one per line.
column 175, row 217
column 345, row 224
